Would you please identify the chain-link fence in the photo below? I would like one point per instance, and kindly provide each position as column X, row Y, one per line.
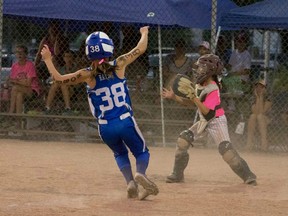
column 180, row 32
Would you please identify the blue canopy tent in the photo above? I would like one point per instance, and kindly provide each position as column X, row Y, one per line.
column 186, row 13
column 267, row 14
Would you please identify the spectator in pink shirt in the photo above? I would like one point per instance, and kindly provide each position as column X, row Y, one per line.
column 23, row 80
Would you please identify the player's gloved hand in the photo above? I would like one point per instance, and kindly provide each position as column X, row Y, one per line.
column 183, row 87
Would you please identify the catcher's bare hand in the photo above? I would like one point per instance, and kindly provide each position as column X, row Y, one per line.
column 168, row 93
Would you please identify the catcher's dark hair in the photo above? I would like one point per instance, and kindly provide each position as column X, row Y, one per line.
column 215, row 78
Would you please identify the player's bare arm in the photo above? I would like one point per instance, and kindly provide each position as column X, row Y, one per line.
column 202, row 108
column 126, row 59
column 68, row 79
column 73, row 78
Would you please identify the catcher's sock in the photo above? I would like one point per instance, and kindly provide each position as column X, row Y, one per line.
column 127, row 173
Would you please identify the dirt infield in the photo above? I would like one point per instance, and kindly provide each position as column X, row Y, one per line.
column 60, row 178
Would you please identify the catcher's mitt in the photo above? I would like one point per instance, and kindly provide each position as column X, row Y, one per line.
column 183, row 87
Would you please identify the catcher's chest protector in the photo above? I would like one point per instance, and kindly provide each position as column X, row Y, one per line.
column 202, row 123
column 209, row 88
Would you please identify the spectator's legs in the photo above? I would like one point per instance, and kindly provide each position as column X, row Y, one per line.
column 19, row 92
column 263, row 121
column 51, row 95
column 13, row 100
column 66, row 96
column 251, row 128
column 19, row 102
column 17, row 98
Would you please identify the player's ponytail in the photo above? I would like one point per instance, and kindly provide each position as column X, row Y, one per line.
column 215, row 79
column 108, row 68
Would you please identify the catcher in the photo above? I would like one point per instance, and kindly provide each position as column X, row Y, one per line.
column 212, row 119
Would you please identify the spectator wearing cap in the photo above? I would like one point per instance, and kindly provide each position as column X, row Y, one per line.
column 204, row 48
column 259, row 118
column 177, row 62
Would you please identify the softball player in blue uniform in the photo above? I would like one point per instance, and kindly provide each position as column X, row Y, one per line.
column 110, row 104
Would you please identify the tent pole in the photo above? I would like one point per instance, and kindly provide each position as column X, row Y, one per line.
column 217, row 37
column 271, row 78
column 232, row 41
column 267, row 53
column 161, row 85
column 213, row 25
column 1, row 39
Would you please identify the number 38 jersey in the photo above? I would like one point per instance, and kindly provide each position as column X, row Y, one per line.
column 110, row 98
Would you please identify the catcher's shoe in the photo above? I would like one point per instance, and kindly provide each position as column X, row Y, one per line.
column 150, row 188
column 132, row 189
column 173, row 178
column 251, row 180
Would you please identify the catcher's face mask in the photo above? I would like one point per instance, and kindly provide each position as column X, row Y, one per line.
column 201, row 73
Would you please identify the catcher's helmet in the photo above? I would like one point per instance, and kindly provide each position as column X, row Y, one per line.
column 208, row 65
column 99, row 46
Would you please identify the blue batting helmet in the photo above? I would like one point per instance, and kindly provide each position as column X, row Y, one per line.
column 99, row 46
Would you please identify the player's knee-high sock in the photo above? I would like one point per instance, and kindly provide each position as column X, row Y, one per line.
column 124, row 165
column 142, row 162
column 127, row 173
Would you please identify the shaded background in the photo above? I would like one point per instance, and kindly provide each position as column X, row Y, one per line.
column 26, row 22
